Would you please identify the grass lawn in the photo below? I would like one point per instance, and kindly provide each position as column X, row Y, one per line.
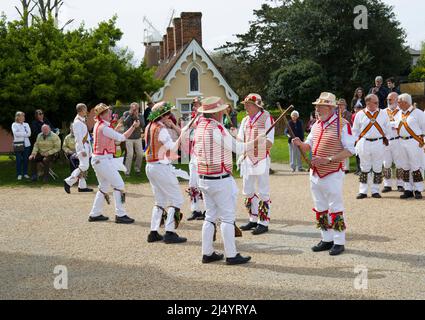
column 61, row 168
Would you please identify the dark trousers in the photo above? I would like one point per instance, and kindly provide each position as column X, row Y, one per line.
column 22, row 161
column 47, row 162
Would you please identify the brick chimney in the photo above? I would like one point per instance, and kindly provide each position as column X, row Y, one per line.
column 171, row 41
column 161, row 50
column 191, row 27
column 164, row 40
column 178, row 33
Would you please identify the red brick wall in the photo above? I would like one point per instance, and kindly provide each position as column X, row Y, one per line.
column 191, row 26
column 178, row 33
column 171, row 43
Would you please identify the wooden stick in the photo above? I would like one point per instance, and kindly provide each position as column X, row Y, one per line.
column 280, row 118
column 292, row 134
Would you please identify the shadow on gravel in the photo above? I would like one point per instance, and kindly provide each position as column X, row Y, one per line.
column 25, row 276
column 414, row 260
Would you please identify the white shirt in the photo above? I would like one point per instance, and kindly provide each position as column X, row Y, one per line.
column 394, row 123
column 416, row 122
column 241, row 136
column 347, row 139
column 361, row 121
column 80, row 131
column 21, row 132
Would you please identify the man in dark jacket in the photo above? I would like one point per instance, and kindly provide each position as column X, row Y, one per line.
column 380, row 91
column 294, row 153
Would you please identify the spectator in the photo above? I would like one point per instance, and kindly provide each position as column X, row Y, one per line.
column 391, row 86
column 21, row 144
column 134, row 142
column 68, row 148
column 380, row 91
column 147, row 112
column 294, row 153
column 233, row 121
column 313, row 119
column 38, row 122
column 46, row 149
column 342, row 105
column 358, row 99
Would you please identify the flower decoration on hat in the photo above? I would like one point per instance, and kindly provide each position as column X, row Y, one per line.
column 160, row 109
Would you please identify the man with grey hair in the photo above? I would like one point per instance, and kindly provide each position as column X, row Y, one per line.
column 83, row 151
column 294, row 152
column 134, row 142
column 371, row 128
column 392, row 151
column 380, row 91
column 411, row 128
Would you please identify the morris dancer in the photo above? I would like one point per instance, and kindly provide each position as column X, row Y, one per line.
column 107, row 167
column 411, row 128
column 392, row 151
column 255, row 164
column 196, row 199
column 160, row 152
column 331, row 142
column 83, row 151
column 371, row 128
column 213, row 149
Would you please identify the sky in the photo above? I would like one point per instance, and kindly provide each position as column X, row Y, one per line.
column 221, row 19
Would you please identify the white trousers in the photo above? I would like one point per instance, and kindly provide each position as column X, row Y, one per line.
column 166, row 190
column 392, row 155
column 133, row 145
column 108, row 177
column 257, row 188
column 82, row 167
column 220, row 198
column 196, row 203
column 412, row 159
column 327, row 195
column 371, row 155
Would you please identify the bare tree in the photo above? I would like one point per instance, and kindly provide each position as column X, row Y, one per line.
column 50, row 8
column 27, row 7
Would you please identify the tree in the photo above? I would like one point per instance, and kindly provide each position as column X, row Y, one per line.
column 322, row 31
column 418, row 72
column 27, row 7
column 44, row 67
column 296, row 84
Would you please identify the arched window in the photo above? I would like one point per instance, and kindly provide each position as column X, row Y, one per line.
column 194, row 80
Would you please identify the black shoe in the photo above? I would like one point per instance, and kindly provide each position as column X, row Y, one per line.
column 250, row 225
column 66, row 187
column 376, row 196
column 387, row 189
column 260, row 229
column 347, row 171
column 361, row 196
column 238, row 259
column 212, row 258
column 154, row 236
column 124, row 220
column 202, row 217
column 301, row 170
column 336, row 250
column 418, row 195
column 195, row 215
column 407, row 195
column 400, row 189
column 85, row 190
column 98, row 218
column 323, row 246
column 172, row 237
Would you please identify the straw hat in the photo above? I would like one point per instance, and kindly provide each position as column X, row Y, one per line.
column 212, row 105
column 254, row 98
column 326, row 99
column 101, row 107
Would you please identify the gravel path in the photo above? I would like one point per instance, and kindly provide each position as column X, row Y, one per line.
column 43, row 228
